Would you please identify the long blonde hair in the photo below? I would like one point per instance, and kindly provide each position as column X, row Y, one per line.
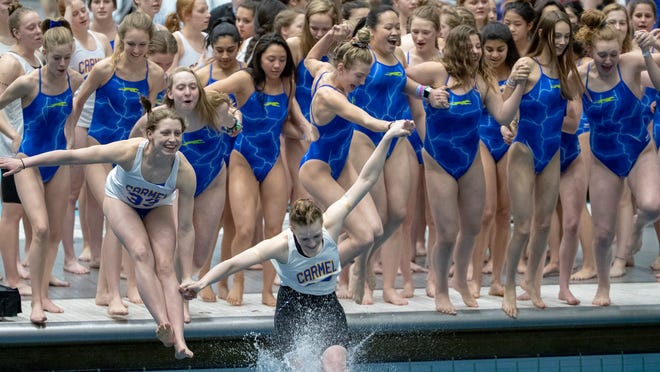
column 133, row 21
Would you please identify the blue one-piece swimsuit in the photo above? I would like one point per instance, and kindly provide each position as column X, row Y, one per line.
column 382, row 96
column 618, row 132
column 304, row 81
column 452, row 134
column 542, row 112
column 117, row 108
column 333, row 144
column 259, row 142
column 490, row 134
column 204, row 149
column 656, row 122
column 43, row 125
column 569, row 150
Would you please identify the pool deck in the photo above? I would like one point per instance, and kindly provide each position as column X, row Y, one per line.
column 85, row 337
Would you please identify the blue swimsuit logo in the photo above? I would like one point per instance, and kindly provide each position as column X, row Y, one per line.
column 272, row 104
column 193, row 142
column 465, row 102
column 58, row 104
column 129, row 89
column 394, row 73
column 605, row 100
column 555, row 86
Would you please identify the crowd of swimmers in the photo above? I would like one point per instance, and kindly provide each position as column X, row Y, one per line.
column 488, row 124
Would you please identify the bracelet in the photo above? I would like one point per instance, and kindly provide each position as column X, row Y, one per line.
column 511, row 83
column 389, row 125
column 420, row 91
column 236, row 128
column 646, row 53
column 22, row 163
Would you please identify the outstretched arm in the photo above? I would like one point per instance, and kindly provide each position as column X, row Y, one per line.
column 273, row 248
column 333, row 218
column 116, row 152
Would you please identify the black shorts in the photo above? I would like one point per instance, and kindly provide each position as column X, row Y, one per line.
column 9, row 193
column 302, row 318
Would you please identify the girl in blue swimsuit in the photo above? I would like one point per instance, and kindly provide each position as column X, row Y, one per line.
column 46, row 95
column 451, row 154
column 263, row 92
column 620, row 141
column 118, row 81
column 208, row 117
column 325, row 171
column 501, row 53
column 534, row 155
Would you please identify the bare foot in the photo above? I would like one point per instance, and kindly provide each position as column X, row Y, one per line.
column 488, row 268
column 23, row 272
column 618, row 268
column 74, row 267
column 566, row 295
column 464, row 290
column 268, row 299
column 94, row 263
column 523, row 297
column 443, row 304
column 49, row 306
column 165, row 334
column 496, row 289
column 37, row 315
column 116, row 307
column 368, row 298
column 408, row 290
column 133, row 295
column 535, row 297
column 584, row 274
column 356, row 286
column 55, row 282
column 182, row 353
column 342, row 291
column 186, row 312
column 85, row 255
column 24, row 289
column 393, row 297
column 207, row 294
column 475, row 288
column 509, row 303
column 602, row 297
column 418, row 268
column 430, row 288
column 235, row 296
column 223, row 290
column 655, row 266
column 551, row 268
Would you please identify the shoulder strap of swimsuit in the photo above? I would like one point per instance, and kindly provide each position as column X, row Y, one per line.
column 540, row 66
column 586, row 81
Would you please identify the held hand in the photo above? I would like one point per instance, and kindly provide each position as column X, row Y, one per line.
column 341, row 32
column 310, row 134
column 507, row 134
column 645, row 40
column 189, row 290
column 12, row 165
column 520, row 72
column 400, row 128
column 439, row 98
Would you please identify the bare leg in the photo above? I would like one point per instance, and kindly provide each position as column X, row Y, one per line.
column 502, row 230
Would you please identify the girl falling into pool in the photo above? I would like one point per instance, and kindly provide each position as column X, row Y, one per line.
column 144, row 225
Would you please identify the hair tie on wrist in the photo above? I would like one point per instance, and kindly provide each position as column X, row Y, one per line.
column 22, row 163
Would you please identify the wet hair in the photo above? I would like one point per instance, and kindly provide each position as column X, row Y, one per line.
column 163, row 42
column 634, row 3
column 523, row 8
column 133, row 21
column 355, row 50
column 374, row 15
column 221, row 28
column 263, row 21
column 349, row 6
column 56, row 32
column 627, row 41
column 286, row 18
column 207, row 103
column 155, row 117
column 457, row 57
column 304, row 212
column 254, row 67
column 498, row 31
column 314, row 7
column 89, row 3
column 544, row 38
column 595, row 28
column 16, row 12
